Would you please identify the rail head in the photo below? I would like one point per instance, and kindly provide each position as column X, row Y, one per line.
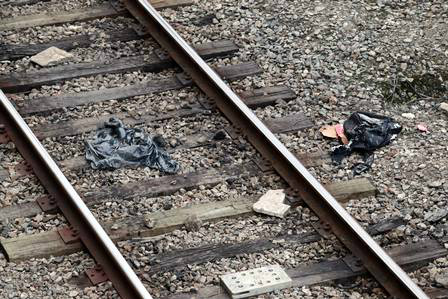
column 93, row 236
column 375, row 259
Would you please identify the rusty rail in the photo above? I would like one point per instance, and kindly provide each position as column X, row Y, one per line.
column 91, row 233
column 355, row 238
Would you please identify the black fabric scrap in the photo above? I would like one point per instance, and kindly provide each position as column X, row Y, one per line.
column 366, row 132
column 116, row 146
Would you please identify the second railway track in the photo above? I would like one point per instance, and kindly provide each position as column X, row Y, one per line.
column 177, row 232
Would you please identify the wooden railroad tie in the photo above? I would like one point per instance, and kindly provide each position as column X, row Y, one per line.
column 24, row 81
column 85, row 14
column 50, row 103
column 410, row 257
column 50, row 243
column 256, row 98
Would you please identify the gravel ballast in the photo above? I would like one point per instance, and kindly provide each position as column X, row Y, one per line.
column 338, row 56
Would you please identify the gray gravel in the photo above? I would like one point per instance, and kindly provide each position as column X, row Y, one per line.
column 100, row 49
column 337, row 56
column 50, row 7
column 48, row 278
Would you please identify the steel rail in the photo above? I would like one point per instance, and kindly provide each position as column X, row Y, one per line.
column 92, row 235
column 352, row 235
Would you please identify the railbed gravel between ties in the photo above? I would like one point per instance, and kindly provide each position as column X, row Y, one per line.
column 12, row 11
column 335, row 55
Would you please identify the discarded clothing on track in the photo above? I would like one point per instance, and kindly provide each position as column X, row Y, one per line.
column 116, row 146
column 365, row 132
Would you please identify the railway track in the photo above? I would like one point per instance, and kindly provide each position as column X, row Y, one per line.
column 73, row 115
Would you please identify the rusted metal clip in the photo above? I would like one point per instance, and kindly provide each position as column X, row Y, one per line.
column 354, row 263
column 234, row 132
column 207, row 103
column 264, row 164
column 162, row 55
column 96, row 275
column 322, row 228
column 4, row 137
column 184, row 79
column 117, row 5
column 292, row 197
column 47, row 203
column 69, row 235
column 23, row 169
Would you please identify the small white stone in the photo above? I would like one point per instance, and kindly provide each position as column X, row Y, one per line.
column 319, row 8
column 170, row 107
column 50, row 55
column 444, row 107
column 272, row 204
column 442, row 279
column 408, row 115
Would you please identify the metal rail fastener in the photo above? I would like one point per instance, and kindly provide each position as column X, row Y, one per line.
column 93, row 236
column 374, row 258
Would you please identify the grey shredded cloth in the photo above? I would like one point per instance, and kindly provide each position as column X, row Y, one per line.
column 116, row 146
